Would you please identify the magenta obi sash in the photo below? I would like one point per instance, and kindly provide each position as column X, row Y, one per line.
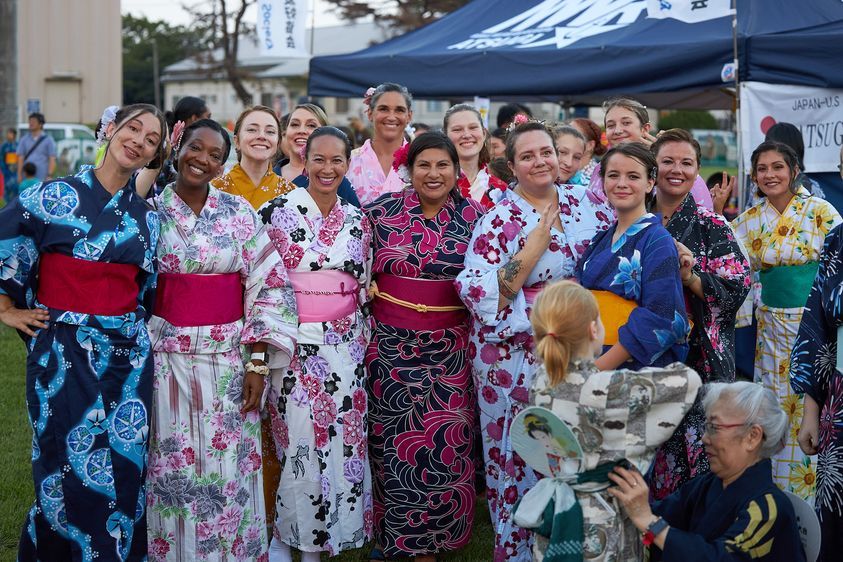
column 530, row 293
column 324, row 295
column 194, row 299
column 417, row 304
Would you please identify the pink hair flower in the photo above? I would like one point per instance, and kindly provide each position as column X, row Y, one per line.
column 367, row 97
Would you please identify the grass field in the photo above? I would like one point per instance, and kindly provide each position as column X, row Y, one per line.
column 16, row 481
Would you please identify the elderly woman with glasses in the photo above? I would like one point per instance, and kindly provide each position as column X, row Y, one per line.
column 736, row 512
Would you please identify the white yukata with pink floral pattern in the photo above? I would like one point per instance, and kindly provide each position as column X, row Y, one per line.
column 204, row 486
column 318, row 405
column 501, row 342
column 366, row 175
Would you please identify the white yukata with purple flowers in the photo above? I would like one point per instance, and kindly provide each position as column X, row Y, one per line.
column 318, row 405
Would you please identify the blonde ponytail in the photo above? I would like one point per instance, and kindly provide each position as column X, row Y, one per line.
column 561, row 318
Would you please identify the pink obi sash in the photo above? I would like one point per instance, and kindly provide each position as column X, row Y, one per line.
column 418, row 304
column 530, row 293
column 325, row 295
column 194, row 299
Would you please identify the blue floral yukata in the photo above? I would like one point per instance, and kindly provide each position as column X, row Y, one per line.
column 642, row 266
column 88, row 377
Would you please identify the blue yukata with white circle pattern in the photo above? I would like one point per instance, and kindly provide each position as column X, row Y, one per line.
column 88, row 377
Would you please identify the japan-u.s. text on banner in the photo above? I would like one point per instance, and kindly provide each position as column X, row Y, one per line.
column 281, row 27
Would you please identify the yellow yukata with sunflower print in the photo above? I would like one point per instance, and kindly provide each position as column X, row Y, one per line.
column 772, row 239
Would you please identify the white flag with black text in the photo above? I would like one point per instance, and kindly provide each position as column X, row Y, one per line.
column 281, row 27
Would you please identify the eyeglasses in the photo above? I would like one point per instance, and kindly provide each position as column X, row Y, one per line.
column 712, row 428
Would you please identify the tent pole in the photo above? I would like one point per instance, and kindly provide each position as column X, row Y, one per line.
column 742, row 202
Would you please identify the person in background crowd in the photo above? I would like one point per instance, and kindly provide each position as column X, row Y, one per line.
column 735, row 512
column 464, row 126
column 570, row 144
column 37, row 147
column 9, row 164
column 629, row 121
column 715, row 287
column 361, row 133
column 419, row 128
column 815, row 372
column 535, row 234
column 635, row 270
column 500, row 169
column 79, row 294
column 497, row 144
column 507, row 113
column 390, row 109
column 187, row 110
column 347, row 131
column 319, row 421
column 724, row 195
column 29, row 178
column 638, row 411
column 256, row 137
column 421, row 397
column 221, row 289
column 303, row 120
column 784, row 236
column 594, row 147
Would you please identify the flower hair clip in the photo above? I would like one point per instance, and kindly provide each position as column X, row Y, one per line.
column 367, row 97
column 400, row 163
column 107, row 119
column 520, row 119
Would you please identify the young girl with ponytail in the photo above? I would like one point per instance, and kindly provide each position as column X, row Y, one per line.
column 616, row 415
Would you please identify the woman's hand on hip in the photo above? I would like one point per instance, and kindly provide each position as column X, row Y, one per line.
column 27, row 320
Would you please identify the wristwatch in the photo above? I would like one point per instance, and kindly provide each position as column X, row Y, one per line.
column 258, row 356
column 653, row 530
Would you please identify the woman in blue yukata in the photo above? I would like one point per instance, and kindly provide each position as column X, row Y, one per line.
column 77, row 259
column 633, row 269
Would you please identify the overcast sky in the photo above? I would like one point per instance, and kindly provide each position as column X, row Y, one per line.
column 172, row 11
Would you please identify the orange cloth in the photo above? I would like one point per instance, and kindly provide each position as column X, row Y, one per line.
column 614, row 311
column 238, row 182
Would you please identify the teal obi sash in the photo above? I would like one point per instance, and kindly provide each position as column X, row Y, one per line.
column 787, row 286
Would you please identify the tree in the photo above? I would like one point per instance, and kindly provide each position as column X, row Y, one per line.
column 404, row 15
column 173, row 42
column 688, row 119
column 220, row 25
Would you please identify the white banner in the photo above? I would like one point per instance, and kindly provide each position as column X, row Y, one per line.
column 815, row 111
column 690, row 11
column 484, row 105
column 281, row 27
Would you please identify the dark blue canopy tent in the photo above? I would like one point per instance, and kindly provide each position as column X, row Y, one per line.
column 580, row 51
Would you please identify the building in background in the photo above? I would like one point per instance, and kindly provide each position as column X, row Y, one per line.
column 70, row 63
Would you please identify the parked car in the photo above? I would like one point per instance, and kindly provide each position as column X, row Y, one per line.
column 76, row 144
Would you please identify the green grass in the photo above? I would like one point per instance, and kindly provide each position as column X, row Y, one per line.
column 706, row 171
column 16, row 491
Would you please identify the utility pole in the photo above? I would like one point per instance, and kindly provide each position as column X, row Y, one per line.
column 155, row 77
column 8, row 64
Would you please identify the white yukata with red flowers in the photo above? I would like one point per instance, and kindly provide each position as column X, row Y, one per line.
column 318, row 406
column 205, row 484
column 501, row 342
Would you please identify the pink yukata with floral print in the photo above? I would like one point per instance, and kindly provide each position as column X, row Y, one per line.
column 501, row 342
column 367, row 177
column 205, row 484
column 318, row 405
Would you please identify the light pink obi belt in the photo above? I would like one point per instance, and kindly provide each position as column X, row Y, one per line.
column 324, row 296
column 530, row 293
column 417, row 304
column 195, row 299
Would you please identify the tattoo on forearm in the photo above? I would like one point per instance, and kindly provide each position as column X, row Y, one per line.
column 511, row 270
column 506, row 290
